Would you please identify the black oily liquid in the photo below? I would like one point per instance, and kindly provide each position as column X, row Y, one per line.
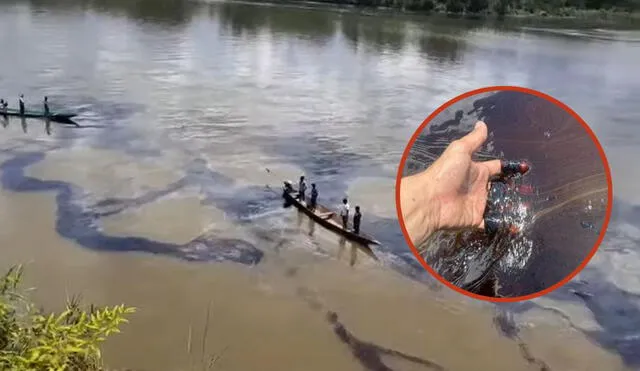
column 469, row 258
column 566, row 211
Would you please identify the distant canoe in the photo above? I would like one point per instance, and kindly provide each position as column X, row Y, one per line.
column 63, row 118
column 329, row 220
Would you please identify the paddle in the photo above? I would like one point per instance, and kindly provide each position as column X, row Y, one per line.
column 271, row 173
column 267, row 186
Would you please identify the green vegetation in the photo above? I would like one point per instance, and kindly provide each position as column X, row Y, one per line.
column 32, row 340
column 564, row 8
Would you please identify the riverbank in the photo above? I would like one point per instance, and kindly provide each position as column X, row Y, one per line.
column 484, row 10
column 32, row 339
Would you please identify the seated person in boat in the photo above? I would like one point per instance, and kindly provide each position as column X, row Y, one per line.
column 287, row 188
column 314, row 197
column 344, row 213
column 356, row 220
column 302, row 188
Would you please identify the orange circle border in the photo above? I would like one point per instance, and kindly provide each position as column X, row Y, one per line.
column 593, row 137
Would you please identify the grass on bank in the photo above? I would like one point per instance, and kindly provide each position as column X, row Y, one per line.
column 591, row 9
column 31, row 339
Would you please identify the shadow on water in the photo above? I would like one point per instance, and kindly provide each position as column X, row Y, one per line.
column 569, row 192
column 442, row 48
column 379, row 33
column 241, row 19
column 371, row 357
column 436, row 40
column 23, row 124
column 164, row 12
column 249, row 19
column 95, row 114
column 47, row 126
column 318, row 26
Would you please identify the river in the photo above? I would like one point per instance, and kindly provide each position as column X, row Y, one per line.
column 160, row 199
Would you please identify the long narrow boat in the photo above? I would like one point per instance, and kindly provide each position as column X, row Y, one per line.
column 328, row 219
column 63, row 118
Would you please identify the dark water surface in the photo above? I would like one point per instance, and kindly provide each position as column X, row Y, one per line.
column 213, row 94
column 562, row 212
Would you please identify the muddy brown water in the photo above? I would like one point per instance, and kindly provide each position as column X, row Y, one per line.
column 275, row 314
column 159, row 200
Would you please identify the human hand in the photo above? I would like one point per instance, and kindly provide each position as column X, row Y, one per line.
column 452, row 192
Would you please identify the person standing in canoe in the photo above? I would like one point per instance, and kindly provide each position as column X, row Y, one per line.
column 21, row 104
column 46, row 106
column 3, row 108
column 344, row 213
column 302, row 188
column 356, row 220
column 314, row 197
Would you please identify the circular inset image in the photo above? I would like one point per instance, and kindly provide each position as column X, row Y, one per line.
column 504, row 193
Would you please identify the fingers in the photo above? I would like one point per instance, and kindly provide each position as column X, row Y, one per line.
column 494, row 167
column 476, row 138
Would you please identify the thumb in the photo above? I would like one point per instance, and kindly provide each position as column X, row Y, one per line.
column 476, row 138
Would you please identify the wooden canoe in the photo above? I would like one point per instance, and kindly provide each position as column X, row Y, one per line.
column 63, row 118
column 329, row 220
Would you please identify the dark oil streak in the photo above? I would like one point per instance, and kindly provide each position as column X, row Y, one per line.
column 74, row 222
column 369, row 354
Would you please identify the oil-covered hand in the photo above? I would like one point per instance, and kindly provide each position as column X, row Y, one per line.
column 452, row 192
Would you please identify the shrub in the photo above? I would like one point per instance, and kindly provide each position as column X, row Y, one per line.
column 33, row 340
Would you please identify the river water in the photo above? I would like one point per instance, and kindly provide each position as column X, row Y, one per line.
column 162, row 200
